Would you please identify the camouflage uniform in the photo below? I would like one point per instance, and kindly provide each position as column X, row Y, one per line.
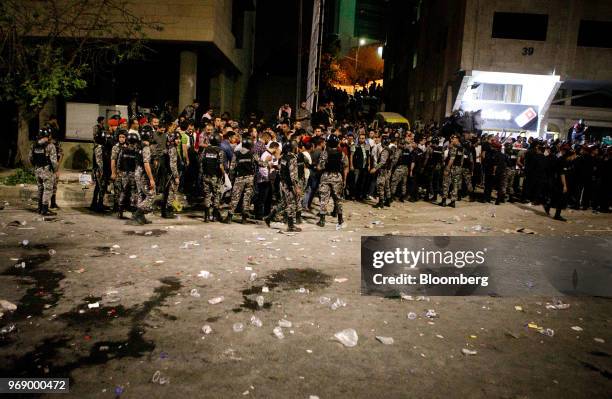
column 172, row 185
column 511, row 172
column 466, row 169
column 126, row 172
column 100, row 176
column 242, row 168
column 212, row 179
column 117, row 184
column 288, row 186
column 44, row 159
column 400, row 175
column 146, row 194
column 455, row 156
column 60, row 153
column 435, row 165
column 333, row 163
column 383, row 186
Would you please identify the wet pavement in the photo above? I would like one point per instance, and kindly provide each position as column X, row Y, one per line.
column 120, row 310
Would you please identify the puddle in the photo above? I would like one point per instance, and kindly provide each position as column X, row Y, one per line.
column 145, row 233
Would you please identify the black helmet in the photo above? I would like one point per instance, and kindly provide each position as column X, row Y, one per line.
column 385, row 141
column 146, row 133
column 215, row 139
column 44, row 132
column 288, row 147
column 333, row 141
column 132, row 138
column 122, row 132
column 247, row 142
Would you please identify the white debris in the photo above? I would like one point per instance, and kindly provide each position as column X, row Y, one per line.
column 253, row 276
column 265, row 289
column 278, row 332
column 347, row 337
column 8, row 306
column 204, row 274
column 412, row 315
column 260, row 301
column 133, row 256
column 341, row 279
column 116, row 246
column 324, row 300
column 385, row 340
column 238, row 327
column 577, row 328
column 93, row 305
column 338, row 304
column 216, row 300
column 406, row 297
column 194, row 293
column 256, row 321
column 52, row 252
column 468, row 352
column 431, row 314
column 284, row 323
column 206, row 329
column 599, row 340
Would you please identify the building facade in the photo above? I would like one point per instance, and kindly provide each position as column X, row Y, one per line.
column 529, row 66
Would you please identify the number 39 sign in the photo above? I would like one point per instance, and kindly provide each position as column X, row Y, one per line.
column 527, row 51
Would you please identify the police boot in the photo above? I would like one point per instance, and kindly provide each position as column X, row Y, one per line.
column 292, row 227
column 40, row 205
column 298, row 217
column 434, row 198
column 402, row 198
column 443, row 202
column 144, row 219
column 228, row 218
column 167, row 213
column 46, row 212
column 268, row 219
column 547, row 208
column 334, row 213
column 53, row 203
column 206, row 214
column 120, row 214
column 380, row 204
column 340, row 219
column 472, row 197
column 244, row 218
column 452, row 204
column 216, row 215
column 387, row 202
column 321, row 222
column 559, row 217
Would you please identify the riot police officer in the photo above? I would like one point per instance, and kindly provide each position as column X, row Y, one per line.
column 44, row 159
column 334, row 165
column 212, row 160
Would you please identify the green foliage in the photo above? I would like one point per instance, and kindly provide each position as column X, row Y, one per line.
column 21, row 176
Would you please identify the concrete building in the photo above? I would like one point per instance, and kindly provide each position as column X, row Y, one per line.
column 529, row 66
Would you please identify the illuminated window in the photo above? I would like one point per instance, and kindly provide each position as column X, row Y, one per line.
column 499, row 92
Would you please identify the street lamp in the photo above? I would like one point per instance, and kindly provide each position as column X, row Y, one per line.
column 362, row 41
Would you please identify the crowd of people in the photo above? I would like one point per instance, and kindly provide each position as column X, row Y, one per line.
column 274, row 172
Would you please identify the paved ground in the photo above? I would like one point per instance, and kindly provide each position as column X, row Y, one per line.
column 148, row 321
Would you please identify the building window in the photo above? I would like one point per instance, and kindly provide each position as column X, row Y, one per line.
column 595, row 34
column 499, row 92
column 510, row 25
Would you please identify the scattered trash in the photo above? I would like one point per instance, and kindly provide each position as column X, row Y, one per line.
column 558, row 305
column 154, row 246
column 338, row 304
column 385, row 340
column 187, row 244
column 324, row 300
column 577, row 328
column 468, row 352
column 406, row 297
column 253, row 276
column 260, row 301
column 204, row 274
column 549, row 332
column 206, row 329
column 376, row 222
column 116, row 246
column 52, row 252
column 8, row 329
column 216, row 300
column 510, row 334
column 265, row 289
column 412, row 315
column 481, row 229
column 518, row 308
column 422, row 298
column 347, row 337
column 599, row 340
column 133, row 256
column 159, row 379
column 256, row 321
column 431, row 314
column 284, row 323
column 525, row 230
column 238, row 327
column 25, row 243
column 278, row 332
column 313, row 397
column 341, row 279
column 8, row 306
column 93, row 305
column 302, row 290
column 103, row 348
column 194, row 293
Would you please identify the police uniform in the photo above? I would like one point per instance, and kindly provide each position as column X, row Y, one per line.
column 242, row 167
column 170, row 188
column 466, row 170
column 289, row 184
column 400, row 174
column 44, row 159
column 101, row 170
column 127, row 159
column 212, row 179
column 511, row 158
column 435, row 166
column 332, row 162
column 453, row 177
column 383, row 168
column 117, row 185
column 146, row 194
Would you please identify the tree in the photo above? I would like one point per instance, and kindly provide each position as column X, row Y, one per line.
column 50, row 48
